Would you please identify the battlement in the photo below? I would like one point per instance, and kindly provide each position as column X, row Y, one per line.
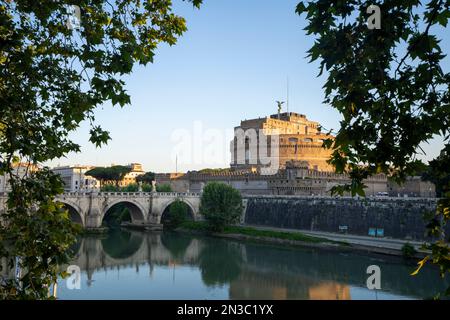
column 282, row 174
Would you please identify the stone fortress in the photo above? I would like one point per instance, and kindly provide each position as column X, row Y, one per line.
column 302, row 163
column 296, row 137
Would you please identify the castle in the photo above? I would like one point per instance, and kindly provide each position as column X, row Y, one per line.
column 295, row 144
column 292, row 134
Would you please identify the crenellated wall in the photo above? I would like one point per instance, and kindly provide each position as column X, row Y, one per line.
column 290, row 181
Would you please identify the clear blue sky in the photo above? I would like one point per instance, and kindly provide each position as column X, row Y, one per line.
column 230, row 65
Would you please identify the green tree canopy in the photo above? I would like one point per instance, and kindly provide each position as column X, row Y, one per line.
column 52, row 77
column 113, row 174
column 163, row 188
column 147, row 177
column 221, row 205
column 438, row 172
column 178, row 213
column 117, row 173
column 98, row 173
column 391, row 88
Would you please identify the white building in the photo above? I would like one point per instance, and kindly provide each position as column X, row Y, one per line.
column 75, row 180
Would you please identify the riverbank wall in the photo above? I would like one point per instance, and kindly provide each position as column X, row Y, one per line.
column 399, row 218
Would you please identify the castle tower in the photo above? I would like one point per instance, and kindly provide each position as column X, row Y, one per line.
column 296, row 137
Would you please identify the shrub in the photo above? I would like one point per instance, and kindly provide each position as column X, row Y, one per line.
column 408, row 251
column 116, row 215
column 146, row 187
column 221, row 205
column 132, row 187
column 178, row 213
column 109, row 188
column 163, row 188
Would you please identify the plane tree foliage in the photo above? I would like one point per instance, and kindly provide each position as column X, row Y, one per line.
column 390, row 86
column 221, row 205
column 53, row 74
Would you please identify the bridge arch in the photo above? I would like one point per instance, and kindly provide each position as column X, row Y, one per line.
column 137, row 212
column 165, row 209
column 75, row 212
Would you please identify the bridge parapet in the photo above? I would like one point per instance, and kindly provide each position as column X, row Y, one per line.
column 177, row 194
column 132, row 194
column 125, row 194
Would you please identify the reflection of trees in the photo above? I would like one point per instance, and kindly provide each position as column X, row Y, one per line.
column 74, row 248
column 220, row 262
column 121, row 244
column 176, row 243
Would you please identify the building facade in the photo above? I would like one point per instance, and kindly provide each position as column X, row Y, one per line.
column 75, row 180
column 281, row 137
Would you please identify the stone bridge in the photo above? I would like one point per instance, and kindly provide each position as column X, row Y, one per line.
column 89, row 209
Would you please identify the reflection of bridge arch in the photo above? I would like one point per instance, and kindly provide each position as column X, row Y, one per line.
column 165, row 208
column 129, row 244
column 94, row 253
column 176, row 243
column 75, row 212
column 137, row 212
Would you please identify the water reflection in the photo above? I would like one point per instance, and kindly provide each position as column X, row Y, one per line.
column 122, row 245
column 176, row 243
column 220, row 262
column 134, row 265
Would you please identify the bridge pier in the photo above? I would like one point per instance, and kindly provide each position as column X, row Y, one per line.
column 93, row 221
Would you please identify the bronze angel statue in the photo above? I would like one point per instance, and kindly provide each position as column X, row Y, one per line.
column 279, row 103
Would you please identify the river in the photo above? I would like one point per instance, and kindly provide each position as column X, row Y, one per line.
column 168, row 265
